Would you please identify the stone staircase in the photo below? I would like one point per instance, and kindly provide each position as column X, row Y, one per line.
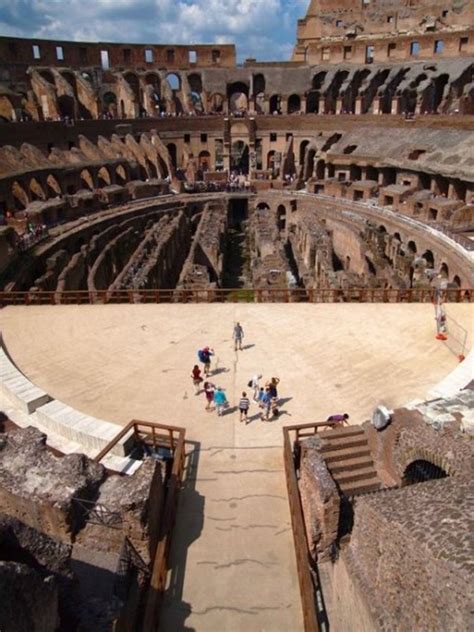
column 349, row 460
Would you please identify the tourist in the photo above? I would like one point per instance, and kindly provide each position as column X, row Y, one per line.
column 244, row 406
column 209, row 390
column 204, row 356
column 197, row 379
column 238, row 335
column 220, row 401
column 265, row 404
column 334, row 420
column 272, row 386
column 255, row 384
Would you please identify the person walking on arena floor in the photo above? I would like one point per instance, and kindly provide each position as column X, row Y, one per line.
column 238, row 336
column 209, row 390
column 244, row 406
column 204, row 356
column 255, row 385
column 220, row 401
column 265, row 404
column 197, row 379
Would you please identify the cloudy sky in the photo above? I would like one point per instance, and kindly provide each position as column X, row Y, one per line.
column 265, row 29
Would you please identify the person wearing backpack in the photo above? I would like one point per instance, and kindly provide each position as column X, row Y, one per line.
column 204, row 356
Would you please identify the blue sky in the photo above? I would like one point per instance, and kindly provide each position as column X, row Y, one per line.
column 265, row 29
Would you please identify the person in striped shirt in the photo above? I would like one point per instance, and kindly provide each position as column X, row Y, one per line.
column 244, row 406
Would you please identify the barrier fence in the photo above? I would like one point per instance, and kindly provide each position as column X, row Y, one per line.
column 240, row 295
column 311, row 597
column 171, row 438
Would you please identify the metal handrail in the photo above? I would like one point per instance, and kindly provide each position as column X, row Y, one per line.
column 233, row 295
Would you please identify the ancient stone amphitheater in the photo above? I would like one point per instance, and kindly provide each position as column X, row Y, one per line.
column 151, row 196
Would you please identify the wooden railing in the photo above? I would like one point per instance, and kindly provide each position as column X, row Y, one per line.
column 240, row 295
column 311, row 601
column 172, row 438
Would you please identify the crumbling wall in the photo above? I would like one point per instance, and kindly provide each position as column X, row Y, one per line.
column 320, row 501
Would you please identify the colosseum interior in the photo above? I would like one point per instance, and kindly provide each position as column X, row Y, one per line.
column 152, row 196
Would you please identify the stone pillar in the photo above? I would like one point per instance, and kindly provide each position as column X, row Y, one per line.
column 358, row 105
column 395, row 105
column 377, row 102
column 284, row 105
column 339, row 106
column 303, row 105
column 321, row 105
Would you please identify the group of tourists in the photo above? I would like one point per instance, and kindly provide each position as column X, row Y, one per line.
column 265, row 397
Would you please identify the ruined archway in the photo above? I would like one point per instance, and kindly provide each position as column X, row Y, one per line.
column 238, row 94
column 103, row 177
column 420, row 471
column 275, row 100
column 239, row 159
column 294, row 104
column 67, row 106
column 109, row 104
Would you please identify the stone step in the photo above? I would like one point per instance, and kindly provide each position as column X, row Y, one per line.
column 364, row 474
column 338, row 454
column 343, row 431
column 351, row 464
column 336, row 443
column 352, row 488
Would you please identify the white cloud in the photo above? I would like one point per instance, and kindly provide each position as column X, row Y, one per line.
column 265, row 29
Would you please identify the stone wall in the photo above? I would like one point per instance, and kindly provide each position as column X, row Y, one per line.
column 320, row 501
column 410, row 556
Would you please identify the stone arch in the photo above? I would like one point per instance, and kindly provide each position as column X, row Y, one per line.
column 302, row 155
column 411, row 247
column 424, row 454
column 67, row 106
column 457, row 281
column 121, row 175
column 153, row 79
column 109, row 103
column 275, row 103
column 259, row 83
column 216, row 102
column 103, row 177
column 204, row 160
column 271, row 159
column 263, row 206
column 320, row 169
column 429, row 258
column 53, row 186
column 20, row 197
column 420, row 471
column 47, row 76
column 281, row 217
column 171, row 147
column 86, row 179
column 238, row 94
column 36, row 190
column 174, row 81
column 294, row 104
column 132, row 79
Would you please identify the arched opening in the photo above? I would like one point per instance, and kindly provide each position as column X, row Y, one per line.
column 456, row 281
column 132, row 80
column 281, row 217
column 86, row 179
column 309, row 164
column 53, row 186
column 318, row 80
column 238, row 94
column 239, row 159
column 355, row 173
column 304, row 144
column 444, row 270
column 429, row 258
column 371, row 173
column 109, row 104
column 258, row 83
column 20, row 198
column 263, row 206
column 420, row 471
column 275, row 104
column 103, row 177
column 294, row 104
column 36, row 190
column 216, row 103
column 195, row 86
column 271, row 160
column 121, row 176
column 370, row 267
column 174, row 81
column 411, row 247
column 67, row 106
column 320, row 169
column 204, row 161
column 47, row 76
column 171, row 147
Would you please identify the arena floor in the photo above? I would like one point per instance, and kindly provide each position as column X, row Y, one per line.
column 233, row 558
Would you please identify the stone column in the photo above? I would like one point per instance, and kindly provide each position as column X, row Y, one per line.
column 358, row 105
column 395, row 105
column 339, row 106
